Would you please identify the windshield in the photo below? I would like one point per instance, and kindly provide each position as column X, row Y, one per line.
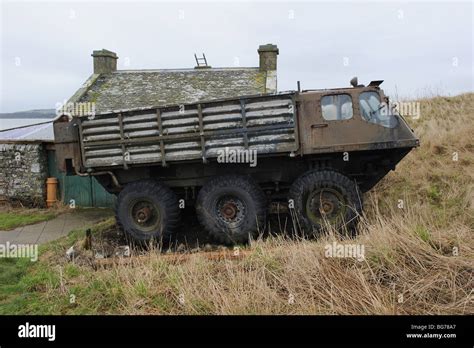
column 374, row 111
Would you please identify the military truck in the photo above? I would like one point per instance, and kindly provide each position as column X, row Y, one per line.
column 316, row 150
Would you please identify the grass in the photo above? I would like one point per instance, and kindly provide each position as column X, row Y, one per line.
column 16, row 218
column 418, row 260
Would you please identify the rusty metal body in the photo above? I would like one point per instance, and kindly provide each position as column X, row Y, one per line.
column 290, row 132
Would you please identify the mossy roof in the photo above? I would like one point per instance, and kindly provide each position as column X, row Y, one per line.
column 126, row 89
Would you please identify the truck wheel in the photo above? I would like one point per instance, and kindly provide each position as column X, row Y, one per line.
column 326, row 197
column 147, row 209
column 231, row 208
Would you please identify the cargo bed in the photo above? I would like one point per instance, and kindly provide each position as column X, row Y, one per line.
column 199, row 131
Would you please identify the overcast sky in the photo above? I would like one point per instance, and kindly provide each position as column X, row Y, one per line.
column 419, row 49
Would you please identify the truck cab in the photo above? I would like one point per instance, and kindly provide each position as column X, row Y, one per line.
column 357, row 122
column 350, row 119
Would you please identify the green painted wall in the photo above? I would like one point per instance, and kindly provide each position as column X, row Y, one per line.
column 85, row 191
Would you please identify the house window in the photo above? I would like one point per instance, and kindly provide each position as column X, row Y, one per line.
column 336, row 107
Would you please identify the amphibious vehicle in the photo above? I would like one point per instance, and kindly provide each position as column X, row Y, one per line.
column 317, row 151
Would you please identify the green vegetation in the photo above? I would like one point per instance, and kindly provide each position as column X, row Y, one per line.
column 423, row 233
column 13, row 219
column 24, row 284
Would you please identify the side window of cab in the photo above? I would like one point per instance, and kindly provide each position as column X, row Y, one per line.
column 336, row 107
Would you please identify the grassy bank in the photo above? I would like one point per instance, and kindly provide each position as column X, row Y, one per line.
column 417, row 236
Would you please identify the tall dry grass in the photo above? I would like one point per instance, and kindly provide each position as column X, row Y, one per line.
column 419, row 259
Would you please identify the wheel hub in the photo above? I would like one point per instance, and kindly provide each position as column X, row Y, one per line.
column 325, row 204
column 143, row 215
column 230, row 209
column 327, row 207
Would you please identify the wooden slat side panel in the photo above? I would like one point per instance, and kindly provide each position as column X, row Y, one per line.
column 264, row 124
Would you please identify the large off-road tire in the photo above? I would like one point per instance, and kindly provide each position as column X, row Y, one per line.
column 325, row 198
column 232, row 208
column 147, row 209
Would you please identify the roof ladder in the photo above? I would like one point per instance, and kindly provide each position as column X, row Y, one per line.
column 201, row 61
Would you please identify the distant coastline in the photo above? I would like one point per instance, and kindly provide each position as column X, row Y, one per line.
column 33, row 114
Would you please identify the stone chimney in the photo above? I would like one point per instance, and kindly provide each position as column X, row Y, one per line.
column 268, row 57
column 105, row 61
column 268, row 62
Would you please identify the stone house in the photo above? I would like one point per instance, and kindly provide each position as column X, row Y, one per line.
column 23, row 162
